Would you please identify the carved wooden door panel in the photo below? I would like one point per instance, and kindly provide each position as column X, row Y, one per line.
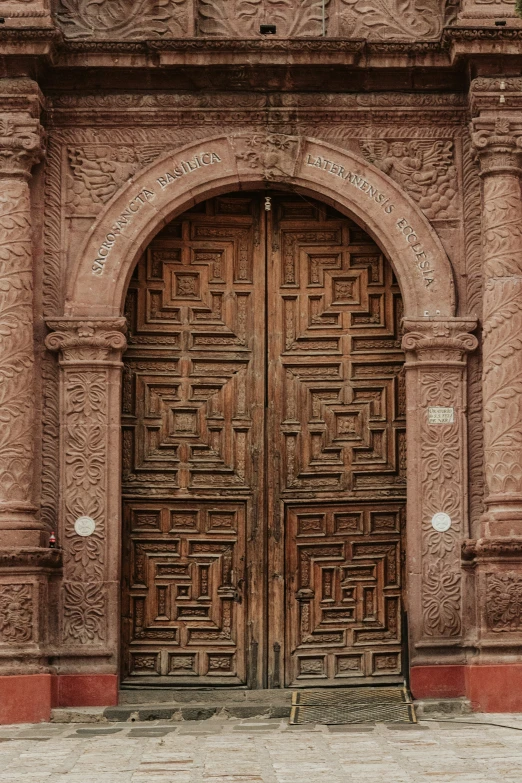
column 263, row 402
column 193, row 397
column 337, row 441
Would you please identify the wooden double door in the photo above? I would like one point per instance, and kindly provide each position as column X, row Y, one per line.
column 263, row 451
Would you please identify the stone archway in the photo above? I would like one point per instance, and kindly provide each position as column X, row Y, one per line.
column 91, row 338
column 176, row 181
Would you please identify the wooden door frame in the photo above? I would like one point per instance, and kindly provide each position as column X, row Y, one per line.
column 90, row 338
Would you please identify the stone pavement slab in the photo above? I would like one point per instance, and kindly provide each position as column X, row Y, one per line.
column 264, row 751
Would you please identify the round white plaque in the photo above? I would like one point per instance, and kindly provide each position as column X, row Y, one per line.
column 441, row 522
column 85, row 526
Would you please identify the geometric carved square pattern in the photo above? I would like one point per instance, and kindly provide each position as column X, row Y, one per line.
column 263, row 433
column 344, row 593
column 182, row 616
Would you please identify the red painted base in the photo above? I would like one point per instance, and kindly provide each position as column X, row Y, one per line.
column 85, row 690
column 25, row 698
column 437, row 682
column 490, row 688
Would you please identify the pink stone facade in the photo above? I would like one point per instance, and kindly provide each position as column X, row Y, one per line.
column 98, row 102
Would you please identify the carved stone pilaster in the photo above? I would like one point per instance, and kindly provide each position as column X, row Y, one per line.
column 90, row 362
column 20, row 148
column 498, row 145
column 437, row 480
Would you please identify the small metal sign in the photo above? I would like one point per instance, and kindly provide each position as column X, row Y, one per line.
column 441, row 522
column 85, row 526
column 441, row 415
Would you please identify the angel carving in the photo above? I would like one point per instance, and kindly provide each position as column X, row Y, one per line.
column 100, row 170
column 423, row 167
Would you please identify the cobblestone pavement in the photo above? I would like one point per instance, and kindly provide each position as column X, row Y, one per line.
column 267, row 751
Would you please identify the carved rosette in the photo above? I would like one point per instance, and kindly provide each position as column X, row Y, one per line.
column 498, row 146
column 20, row 148
column 90, row 364
column 437, row 471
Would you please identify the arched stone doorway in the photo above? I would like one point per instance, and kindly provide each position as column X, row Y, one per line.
column 90, row 337
column 264, row 450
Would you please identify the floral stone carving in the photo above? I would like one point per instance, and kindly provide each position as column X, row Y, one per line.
column 504, row 601
column 115, row 19
column 242, row 18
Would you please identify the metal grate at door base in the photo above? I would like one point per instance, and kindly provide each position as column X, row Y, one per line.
column 353, row 705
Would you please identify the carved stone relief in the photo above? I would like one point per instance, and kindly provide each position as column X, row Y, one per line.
column 377, row 20
column 504, row 601
column 16, row 613
column 98, row 171
column 425, row 169
column 275, row 154
column 242, row 18
column 114, row 19
column 391, row 19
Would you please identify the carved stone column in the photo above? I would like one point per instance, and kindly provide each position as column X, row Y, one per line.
column 437, row 483
column 495, row 559
column 90, row 362
column 20, row 149
column 499, row 150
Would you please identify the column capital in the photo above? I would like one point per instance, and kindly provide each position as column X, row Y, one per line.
column 443, row 341
column 497, row 142
column 22, row 137
column 87, row 341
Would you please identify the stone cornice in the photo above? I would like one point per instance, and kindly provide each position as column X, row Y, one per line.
column 441, row 340
column 456, row 41
column 30, row 557
column 491, row 548
column 498, row 94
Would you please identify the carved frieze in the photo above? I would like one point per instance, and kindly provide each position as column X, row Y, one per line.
column 390, row 19
column 123, row 19
column 374, row 20
column 242, row 18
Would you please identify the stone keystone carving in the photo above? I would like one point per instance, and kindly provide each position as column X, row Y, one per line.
column 275, row 154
